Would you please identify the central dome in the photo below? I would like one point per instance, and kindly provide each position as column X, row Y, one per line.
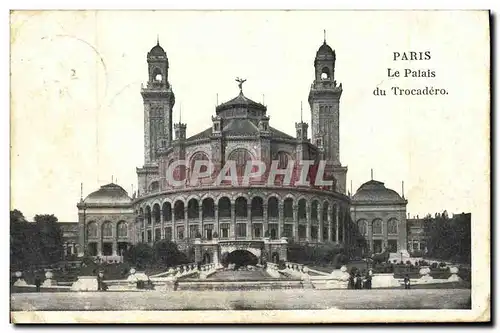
column 240, row 101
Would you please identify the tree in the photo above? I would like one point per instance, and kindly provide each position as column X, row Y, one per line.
column 449, row 238
column 141, row 255
column 166, row 252
column 34, row 243
column 50, row 237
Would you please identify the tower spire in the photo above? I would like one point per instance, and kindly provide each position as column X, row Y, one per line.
column 81, row 191
column 300, row 111
column 403, row 189
column 157, row 39
column 324, row 36
column 372, row 173
column 180, row 113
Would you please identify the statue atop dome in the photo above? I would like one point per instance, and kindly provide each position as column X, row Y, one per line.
column 240, row 83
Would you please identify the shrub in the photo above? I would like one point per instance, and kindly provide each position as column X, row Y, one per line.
column 215, row 235
column 281, row 264
column 442, row 264
column 408, row 262
column 434, row 265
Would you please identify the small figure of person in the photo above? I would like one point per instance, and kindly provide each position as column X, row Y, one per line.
column 100, row 281
column 407, row 281
column 368, row 283
column 38, row 281
column 358, row 281
column 350, row 285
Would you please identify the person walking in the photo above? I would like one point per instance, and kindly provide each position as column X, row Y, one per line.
column 38, row 281
column 407, row 281
column 350, row 284
column 368, row 283
column 358, row 281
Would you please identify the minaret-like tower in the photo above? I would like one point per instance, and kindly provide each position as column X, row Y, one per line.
column 159, row 101
column 324, row 98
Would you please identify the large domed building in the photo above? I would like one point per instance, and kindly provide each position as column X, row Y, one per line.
column 260, row 215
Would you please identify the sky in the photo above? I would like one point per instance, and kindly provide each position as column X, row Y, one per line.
column 77, row 113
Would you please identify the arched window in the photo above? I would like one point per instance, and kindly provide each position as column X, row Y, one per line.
column 325, row 211
column 92, row 229
column 179, row 210
column 224, row 207
column 156, row 213
column 392, row 226
column 121, row 229
column 157, row 75
column 325, row 73
column 257, row 207
column 302, row 209
column 107, row 229
column 240, row 156
column 193, row 209
column 272, row 207
column 377, row 227
column 283, row 158
column 148, row 215
column 208, row 208
column 241, row 207
column 141, row 215
column 314, row 210
column 362, row 227
column 167, row 211
column 154, row 186
column 199, row 156
column 288, row 208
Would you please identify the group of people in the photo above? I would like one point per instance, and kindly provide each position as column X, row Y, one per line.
column 357, row 281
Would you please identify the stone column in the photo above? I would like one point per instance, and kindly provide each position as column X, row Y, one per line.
column 200, row 219
column 329, row 217
column 144, row 228
column 281, row 219
column 99, row 239
column 344, row 228
column 296, row 222
column 337, row 224
column 369, row 231
column 174, row 228
column 249, row 221
column 308, row 218
column 320, row 227
column 186, row 223
column 232, row 227
column 216, row 220
column 386, row 236
column 265, row 222
column 162, row 224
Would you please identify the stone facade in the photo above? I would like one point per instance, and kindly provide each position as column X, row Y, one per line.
column 379, row 217
column 260, row 212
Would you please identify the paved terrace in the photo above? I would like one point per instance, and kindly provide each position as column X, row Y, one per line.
column 245, row 300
